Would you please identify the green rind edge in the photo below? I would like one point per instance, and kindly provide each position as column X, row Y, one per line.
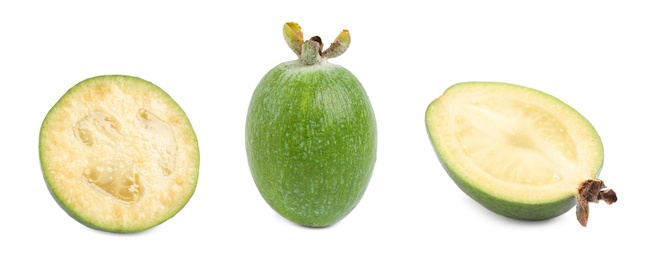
column 511, row 209
column 88, row 222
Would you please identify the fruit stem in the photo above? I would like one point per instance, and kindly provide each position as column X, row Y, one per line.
column 592, row 191
column 310, row 52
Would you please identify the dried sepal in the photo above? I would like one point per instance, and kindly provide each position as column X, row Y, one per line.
column 592, row 191
column 339, row 46
column 608, row 195
column 582, row 212
column 293, row 36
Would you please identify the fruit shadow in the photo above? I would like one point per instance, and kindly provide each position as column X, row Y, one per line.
column 486, row 213
column 126, row 234
column 146, row 232
column 287, row 222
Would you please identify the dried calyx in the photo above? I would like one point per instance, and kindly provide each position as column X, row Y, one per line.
column 310, row 51
column 592, row 191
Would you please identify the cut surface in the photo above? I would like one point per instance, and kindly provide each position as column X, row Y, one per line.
column 119, row 154
column 515, row 143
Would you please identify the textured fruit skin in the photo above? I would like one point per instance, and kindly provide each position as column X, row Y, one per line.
column 311, row 141
column 502, row 206
column 44, row 136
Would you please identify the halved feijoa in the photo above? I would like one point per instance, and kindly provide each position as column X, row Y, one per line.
column 118, row 154
column 518, row 151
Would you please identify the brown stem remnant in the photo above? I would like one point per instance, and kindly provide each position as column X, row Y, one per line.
column 592, row 191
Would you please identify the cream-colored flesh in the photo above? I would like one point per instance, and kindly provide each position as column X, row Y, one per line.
column 514, row 142
column 119, row 154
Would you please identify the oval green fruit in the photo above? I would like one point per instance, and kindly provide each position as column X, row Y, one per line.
column 517, row 151
column 311, row 135
column 118, row 154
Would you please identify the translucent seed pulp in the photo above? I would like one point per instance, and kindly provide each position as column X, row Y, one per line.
column 161, row 138
column 515, row 142
column 112, row 177
column 116, row 165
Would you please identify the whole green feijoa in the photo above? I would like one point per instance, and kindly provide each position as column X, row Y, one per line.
column 311, row 134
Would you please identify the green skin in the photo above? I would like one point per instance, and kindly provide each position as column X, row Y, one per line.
column 311, row 141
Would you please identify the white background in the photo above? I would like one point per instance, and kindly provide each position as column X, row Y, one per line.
column 209, row 58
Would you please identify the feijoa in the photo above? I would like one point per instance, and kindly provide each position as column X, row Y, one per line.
column 118, row 154
column 519, row 152
column 311, row 134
